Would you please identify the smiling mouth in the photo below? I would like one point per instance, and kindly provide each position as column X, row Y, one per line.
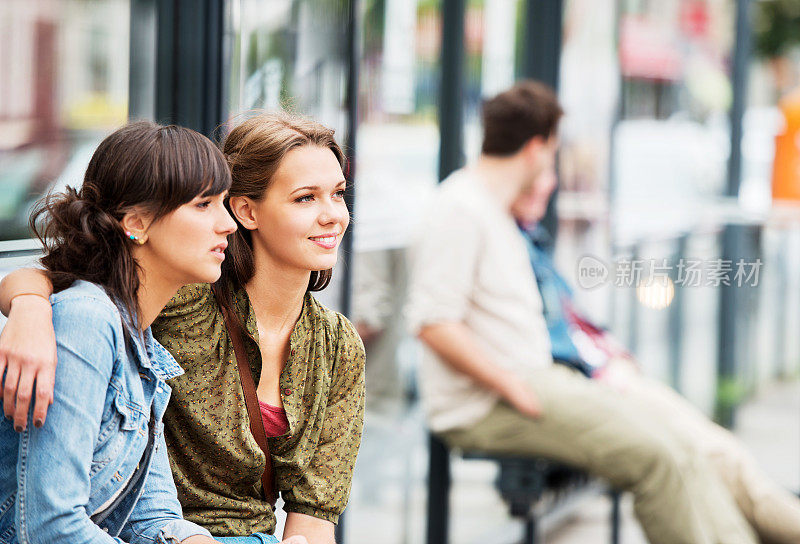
column 328, row 241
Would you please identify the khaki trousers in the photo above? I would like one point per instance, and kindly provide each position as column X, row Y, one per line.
column 679, row 498
column 770, row 509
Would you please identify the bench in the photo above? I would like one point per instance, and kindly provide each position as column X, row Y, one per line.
column 533, row 488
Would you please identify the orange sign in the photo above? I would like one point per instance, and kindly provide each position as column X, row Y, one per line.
column 786, row 167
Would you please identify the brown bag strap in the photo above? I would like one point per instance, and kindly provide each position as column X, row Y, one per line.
column 251, row 399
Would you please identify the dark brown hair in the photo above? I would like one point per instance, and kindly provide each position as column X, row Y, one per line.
column 510, row 119
column 255, row 149
column 153, row 167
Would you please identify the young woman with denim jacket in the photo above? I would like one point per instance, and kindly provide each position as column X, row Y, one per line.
column 148, row 219
column 287, row 196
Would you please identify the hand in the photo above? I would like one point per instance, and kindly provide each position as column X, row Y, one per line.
column 296, row 539
column 619, row 374
column 521, row 396
column 199, row 539
column 302, row 529
column 628, row 362
column 28, row 356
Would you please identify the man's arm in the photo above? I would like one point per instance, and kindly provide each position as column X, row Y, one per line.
column 454, row 344
column 27, row 345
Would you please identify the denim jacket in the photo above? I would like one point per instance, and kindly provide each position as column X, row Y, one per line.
column 97, row 471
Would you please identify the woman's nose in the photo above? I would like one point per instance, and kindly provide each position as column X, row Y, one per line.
column 226, row 223
column 334, row 212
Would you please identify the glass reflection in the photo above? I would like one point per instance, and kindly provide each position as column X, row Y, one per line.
column 397, row 152
column 64, row 86
column 493, row 49
column 289, row 54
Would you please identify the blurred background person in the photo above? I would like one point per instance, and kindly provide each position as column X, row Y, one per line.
column 488, row 381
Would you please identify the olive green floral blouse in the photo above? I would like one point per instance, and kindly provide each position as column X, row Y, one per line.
column 216, row 462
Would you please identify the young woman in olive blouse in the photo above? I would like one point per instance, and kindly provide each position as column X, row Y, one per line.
column 307, row 361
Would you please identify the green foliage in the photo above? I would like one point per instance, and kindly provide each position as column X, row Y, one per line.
column 424, row 6
column 776, row 27
column 374, row 16
column 730, row 393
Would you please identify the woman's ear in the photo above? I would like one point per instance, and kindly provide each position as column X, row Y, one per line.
column 136, row 222
column 243, row 210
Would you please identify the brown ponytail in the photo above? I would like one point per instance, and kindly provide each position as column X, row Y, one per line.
column 143, row 165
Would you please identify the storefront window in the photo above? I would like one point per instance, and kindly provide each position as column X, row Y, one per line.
column 396, row 170
column 289, row 54
column 397, row 153
column 671, row 144
column 64, row 87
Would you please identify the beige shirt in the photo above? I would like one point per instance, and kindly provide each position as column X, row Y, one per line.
column 470, row 265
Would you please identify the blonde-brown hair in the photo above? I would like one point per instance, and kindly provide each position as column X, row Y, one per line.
column 255, row 149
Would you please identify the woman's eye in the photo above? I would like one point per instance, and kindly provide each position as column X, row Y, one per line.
column 339, row 193
column 204, row 204
column 305, row 198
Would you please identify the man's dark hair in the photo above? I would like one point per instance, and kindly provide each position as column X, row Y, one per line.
column 510, row 119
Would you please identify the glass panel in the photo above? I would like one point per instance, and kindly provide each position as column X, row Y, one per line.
column 588, row 92
column 289, row 54
column 64, row 87
column 670, row 151
column 655, row 76
column 769, row 182
column 397, row 161
column 671, row 144
column 397, row 151
column 493, row 42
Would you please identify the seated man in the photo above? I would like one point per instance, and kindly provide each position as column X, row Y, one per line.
column 488, row 380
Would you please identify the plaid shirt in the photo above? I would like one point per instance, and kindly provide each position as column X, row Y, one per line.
column 216, row 462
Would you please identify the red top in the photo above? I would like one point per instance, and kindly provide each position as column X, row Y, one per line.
column 274, row 418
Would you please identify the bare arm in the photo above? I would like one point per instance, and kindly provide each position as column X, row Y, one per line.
column 453, row 343
column 315, row 530
column 27, row 346
column 25, row 281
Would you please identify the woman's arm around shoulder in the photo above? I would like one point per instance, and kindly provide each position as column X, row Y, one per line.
column 27, row 345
